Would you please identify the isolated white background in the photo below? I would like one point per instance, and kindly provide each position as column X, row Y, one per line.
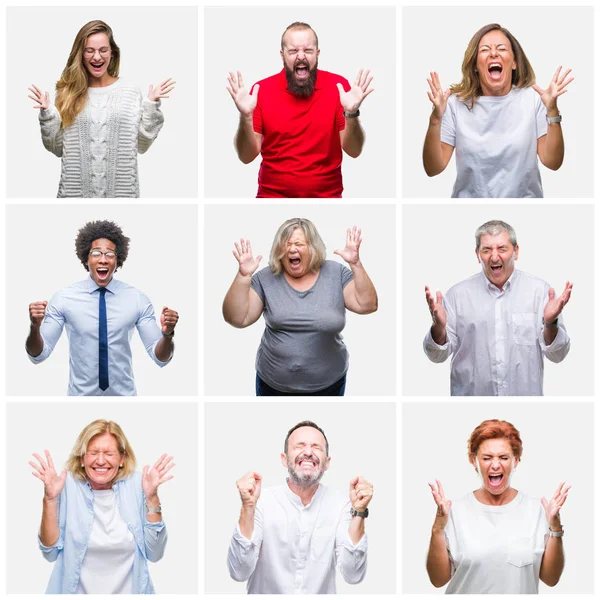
column 230, row 353
column 162, row 263
column 155, row 42
column 435, row 39
column 556, row 243
column 350, row 38
column 558, row 441
column 152, row 430
column 362, row 441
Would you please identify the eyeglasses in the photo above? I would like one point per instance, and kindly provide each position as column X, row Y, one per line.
column 96, row 454
column 98, row 253
column 91, row 51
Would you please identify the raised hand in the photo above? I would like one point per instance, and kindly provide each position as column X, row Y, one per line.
column 436, row 308
column 161, row 90
column 46, row 473
column 555, row 305
column 443, row 505
column 350, row 251
column 244, row 100
column 249, row 486
column 361, row 492
column 157, row 475
column 37, row 312
column 359, row 90
column 437, row 96
column 168, row 320
column 553, row 507
column 558, row 86
column 41, row 99
column 243, row 254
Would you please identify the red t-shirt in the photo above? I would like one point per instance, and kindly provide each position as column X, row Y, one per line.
column 301, row 149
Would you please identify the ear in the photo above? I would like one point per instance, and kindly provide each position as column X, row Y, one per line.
column 281, row 54
column 284, row 459
column 318, row 51
column 477, row 255
column 327, row 461
column 516, row 251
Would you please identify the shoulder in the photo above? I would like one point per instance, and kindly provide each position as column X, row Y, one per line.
column 271, row 82
column 120, row 287
column 465, row 286
column 328, row 78
column 265, row 275
column 532, row 281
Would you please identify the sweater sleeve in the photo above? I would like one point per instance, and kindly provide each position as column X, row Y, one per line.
column 150, row 124
column 52, row 132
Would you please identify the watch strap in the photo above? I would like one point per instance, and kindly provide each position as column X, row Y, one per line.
column 158, row 509
column 356, row 513
column 352, row 115
column 551, row 120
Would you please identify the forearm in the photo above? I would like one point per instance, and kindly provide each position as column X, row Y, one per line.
column 153, row 502
column 433, row 157
column 354, row 138
column 356, row 529
column 553, row 562
column 364, row 290
column 49, row 530
column 554, row 150
column 35, row 342
column 246, row 521
column 550, row 334
column 164, row 349
column 237, row 301
column 246, row 145
column 438, row 333
column 438, row 561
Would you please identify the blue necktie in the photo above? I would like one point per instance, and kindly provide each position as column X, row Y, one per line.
column 102, row 341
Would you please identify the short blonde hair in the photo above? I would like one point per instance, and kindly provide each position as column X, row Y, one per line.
column 313, row 239
column 89, row 432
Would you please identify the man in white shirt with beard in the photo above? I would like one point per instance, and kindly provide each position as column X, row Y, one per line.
column 499, row 324
column 290, row 538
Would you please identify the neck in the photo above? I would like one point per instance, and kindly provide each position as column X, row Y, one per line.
column 486, row 497
column 500, row 92
column 305, row 493
column 103, row 81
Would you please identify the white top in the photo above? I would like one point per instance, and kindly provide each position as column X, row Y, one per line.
column 496, row 338
column 496, row 549
column 496, row 144
column 108, row 563
column 295, row 548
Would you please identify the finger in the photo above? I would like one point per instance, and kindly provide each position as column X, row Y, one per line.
column 36, row 89
column 160, row 459
column 340, row 88
column 441, row 489
column 240, row 80
column 49, row 458
column 166, row 81
column 255, row 90
column 438, row 297
column 40, row 460
column 368, row 83
column 358, row 77
column 538, row 89
column 163, row 479
column 37, row 475
column 36, row 467
column 551, row 294
column 545, row 503
column 564, row 76
column 556, row 73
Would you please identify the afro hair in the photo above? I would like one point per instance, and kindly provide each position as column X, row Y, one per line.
column 96, row 230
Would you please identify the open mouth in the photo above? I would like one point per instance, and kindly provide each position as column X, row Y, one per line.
column 305, row 462
column 495, row 70
column 301, row 71
column 495, row 480
column 295, row 261
column 102, row 273
column 101, row 470
column 97, row 66
column 496, row 268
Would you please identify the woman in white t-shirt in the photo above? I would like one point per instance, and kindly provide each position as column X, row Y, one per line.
column 497, row 119
column 496, row 540
column 101, row 520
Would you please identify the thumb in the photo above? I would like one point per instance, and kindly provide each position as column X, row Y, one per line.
column 551, row 294
column 149, row 90
column 45, row 303
column 353, row 482
column 338, row 252
column 438, row 297
column 449, row 505
column 340, row 88
column 447, row 94
column 258, row 259
column 537, row 88
column 255, row 90
column 63, row 475
column 544, row 503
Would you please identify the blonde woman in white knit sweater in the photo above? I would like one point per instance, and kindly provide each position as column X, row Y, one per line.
column 99, row 123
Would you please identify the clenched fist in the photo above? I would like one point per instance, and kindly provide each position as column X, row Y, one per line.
column 37, row 311
column 361, row 492
column 249, row 488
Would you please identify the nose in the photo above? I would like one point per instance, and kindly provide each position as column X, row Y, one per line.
column 494, row 51
column 301, row 55
column 100, row 459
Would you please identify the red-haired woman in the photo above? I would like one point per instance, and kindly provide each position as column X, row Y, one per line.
column 99, row 123
column 496, row 540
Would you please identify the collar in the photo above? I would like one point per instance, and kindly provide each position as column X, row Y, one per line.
column 295, row 499
column 510, row 282
column 93, row 286
column 318, row 82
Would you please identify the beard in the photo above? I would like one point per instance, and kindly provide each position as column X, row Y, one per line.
column 305, row 87
column 304, row 479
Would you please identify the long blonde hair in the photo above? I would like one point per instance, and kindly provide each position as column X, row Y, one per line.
column 98, row 427
column 469, row 89
column 72, row 87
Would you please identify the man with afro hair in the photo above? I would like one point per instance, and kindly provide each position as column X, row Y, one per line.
column 100, row 314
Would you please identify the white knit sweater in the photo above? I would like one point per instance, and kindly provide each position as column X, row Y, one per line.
column 99, row 149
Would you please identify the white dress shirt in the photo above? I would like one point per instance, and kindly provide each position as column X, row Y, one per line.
column 295, row 548
column 76, row 308
column 496, row 337
column 496, row 549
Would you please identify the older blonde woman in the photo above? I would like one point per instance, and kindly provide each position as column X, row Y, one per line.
column 99, row 123
column 497, row 119
column 496, row 540
column 101, row 520
column 304, row 298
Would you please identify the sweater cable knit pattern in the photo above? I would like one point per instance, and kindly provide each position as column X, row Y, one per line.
column 99, row 149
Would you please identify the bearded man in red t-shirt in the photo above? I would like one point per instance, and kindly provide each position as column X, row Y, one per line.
column 301, row 122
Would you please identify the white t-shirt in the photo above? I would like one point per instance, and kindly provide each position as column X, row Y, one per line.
column 496, row 549
column 108, row 563
column 496, row 144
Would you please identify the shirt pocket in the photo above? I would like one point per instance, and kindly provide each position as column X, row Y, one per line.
column 520, row 553
column 525, row 330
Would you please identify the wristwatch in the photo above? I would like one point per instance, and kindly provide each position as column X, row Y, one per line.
column 550, row 120
column 556, row 533
column 552, row 325
column 352, row 115
column 172, row 334
column 158, row 509
column 356, row 513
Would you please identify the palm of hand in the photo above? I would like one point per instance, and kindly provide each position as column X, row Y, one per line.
column 552, row 310
column 150, row 483
column 552, row 509
column 245, row 102
column 350, row 253
column 351, row 100
column 248, row 264
column 53, row 484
